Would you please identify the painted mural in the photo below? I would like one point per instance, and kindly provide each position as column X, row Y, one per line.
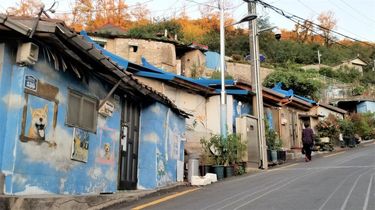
column 80, row 146
column 40, row 111
column 161, row 145
column 106, row 151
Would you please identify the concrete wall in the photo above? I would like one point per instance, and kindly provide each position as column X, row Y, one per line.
column 325, row 112
column 243, row 71
column 160, row 54
column 193, row 63
column 161, row 147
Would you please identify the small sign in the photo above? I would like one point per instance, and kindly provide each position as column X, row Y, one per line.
column 31, row 82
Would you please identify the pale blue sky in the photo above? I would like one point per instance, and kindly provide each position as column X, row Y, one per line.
column 355, row 18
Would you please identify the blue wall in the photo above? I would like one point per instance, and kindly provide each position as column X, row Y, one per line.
column 38, row 168
column 160, row 147
column 5, row 76
column 367, row 106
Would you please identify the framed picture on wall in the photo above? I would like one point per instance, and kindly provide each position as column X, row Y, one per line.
column 80, row 145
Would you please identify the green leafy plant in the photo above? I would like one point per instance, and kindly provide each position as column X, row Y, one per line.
column 272, row 139
column 223, row 151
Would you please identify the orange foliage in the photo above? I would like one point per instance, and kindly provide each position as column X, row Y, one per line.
column 328, row 21
column 27, row 8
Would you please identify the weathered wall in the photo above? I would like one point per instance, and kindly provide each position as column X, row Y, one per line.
column 161, row 146
column 193, row 63
column 325, row 112
column 159, row 54
column 46, row 167
column 243, row 71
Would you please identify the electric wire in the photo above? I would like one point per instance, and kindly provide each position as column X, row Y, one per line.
column 291, row 16
column 357, row 11
column 316, row 13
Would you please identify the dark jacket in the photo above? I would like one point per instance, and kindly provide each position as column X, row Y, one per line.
column 307, row 136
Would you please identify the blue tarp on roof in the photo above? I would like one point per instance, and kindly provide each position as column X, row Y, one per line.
column 278, row 89
column 212, row 60
column 119, row 60
column 152, row 71
column 289, row 93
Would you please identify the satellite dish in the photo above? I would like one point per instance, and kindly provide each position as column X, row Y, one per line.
column 214, row 150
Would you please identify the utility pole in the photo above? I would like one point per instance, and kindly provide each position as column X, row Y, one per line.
column 255, row 78
column 319, row 55
column 223, row 97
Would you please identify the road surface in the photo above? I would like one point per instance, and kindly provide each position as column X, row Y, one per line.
column 344, row 180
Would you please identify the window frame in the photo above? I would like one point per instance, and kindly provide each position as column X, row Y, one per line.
column 82, row 97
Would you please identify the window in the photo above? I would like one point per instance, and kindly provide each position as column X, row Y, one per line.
column 82, row 111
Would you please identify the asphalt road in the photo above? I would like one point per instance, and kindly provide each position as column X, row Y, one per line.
column 343, row 180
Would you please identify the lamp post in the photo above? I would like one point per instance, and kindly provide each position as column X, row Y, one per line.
column 223, row 97
column 255, row 67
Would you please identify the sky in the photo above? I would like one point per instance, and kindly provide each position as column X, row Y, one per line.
column 355, row 18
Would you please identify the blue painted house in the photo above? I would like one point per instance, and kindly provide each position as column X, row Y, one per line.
column 74, row 121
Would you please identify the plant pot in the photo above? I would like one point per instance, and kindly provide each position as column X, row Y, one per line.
column 281, row 156
column 219, row 171
column 274, row 156
column 229, row 171
column 269, row 157
column 206, row 169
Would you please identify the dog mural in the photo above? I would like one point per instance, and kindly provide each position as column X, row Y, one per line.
column 80, row 146
column 38, row 125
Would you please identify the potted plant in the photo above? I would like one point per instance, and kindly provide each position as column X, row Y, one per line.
column 235, row 149
column 272, row 145
column 215, row 147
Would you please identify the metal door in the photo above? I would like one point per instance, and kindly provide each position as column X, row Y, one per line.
column 128, row 162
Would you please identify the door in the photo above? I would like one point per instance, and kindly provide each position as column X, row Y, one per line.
column 128, row 161
column 293, row 129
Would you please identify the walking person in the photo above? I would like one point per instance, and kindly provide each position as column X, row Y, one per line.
column 307, row 140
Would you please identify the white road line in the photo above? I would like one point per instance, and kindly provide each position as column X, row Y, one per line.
column 365, row 205
column 333, row 193
column 350, row 192
column 266, row 193
column 243, row 197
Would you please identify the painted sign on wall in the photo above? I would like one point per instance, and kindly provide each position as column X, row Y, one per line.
column 80, row 146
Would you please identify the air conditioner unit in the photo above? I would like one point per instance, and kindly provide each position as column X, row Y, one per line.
column 107, row 109
column 27, row 53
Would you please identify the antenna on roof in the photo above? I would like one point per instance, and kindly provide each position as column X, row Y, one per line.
column 38, row 18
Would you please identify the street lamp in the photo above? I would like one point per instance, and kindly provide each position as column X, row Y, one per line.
column 223, row 100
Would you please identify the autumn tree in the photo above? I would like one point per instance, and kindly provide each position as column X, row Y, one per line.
column 27, row 8
column 92, row 14
column 140, row 15
column 327, row 22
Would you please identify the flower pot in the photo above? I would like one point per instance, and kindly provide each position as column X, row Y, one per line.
column 219, row 171
column 206, row 169
column 274, row 156
column 229, row 171
column 281, row 156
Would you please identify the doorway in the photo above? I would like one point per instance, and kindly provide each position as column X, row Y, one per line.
column 128, row 160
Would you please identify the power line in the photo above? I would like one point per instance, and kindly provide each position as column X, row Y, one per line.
column 291, row 16
column 316, row 13
column 357, row 11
